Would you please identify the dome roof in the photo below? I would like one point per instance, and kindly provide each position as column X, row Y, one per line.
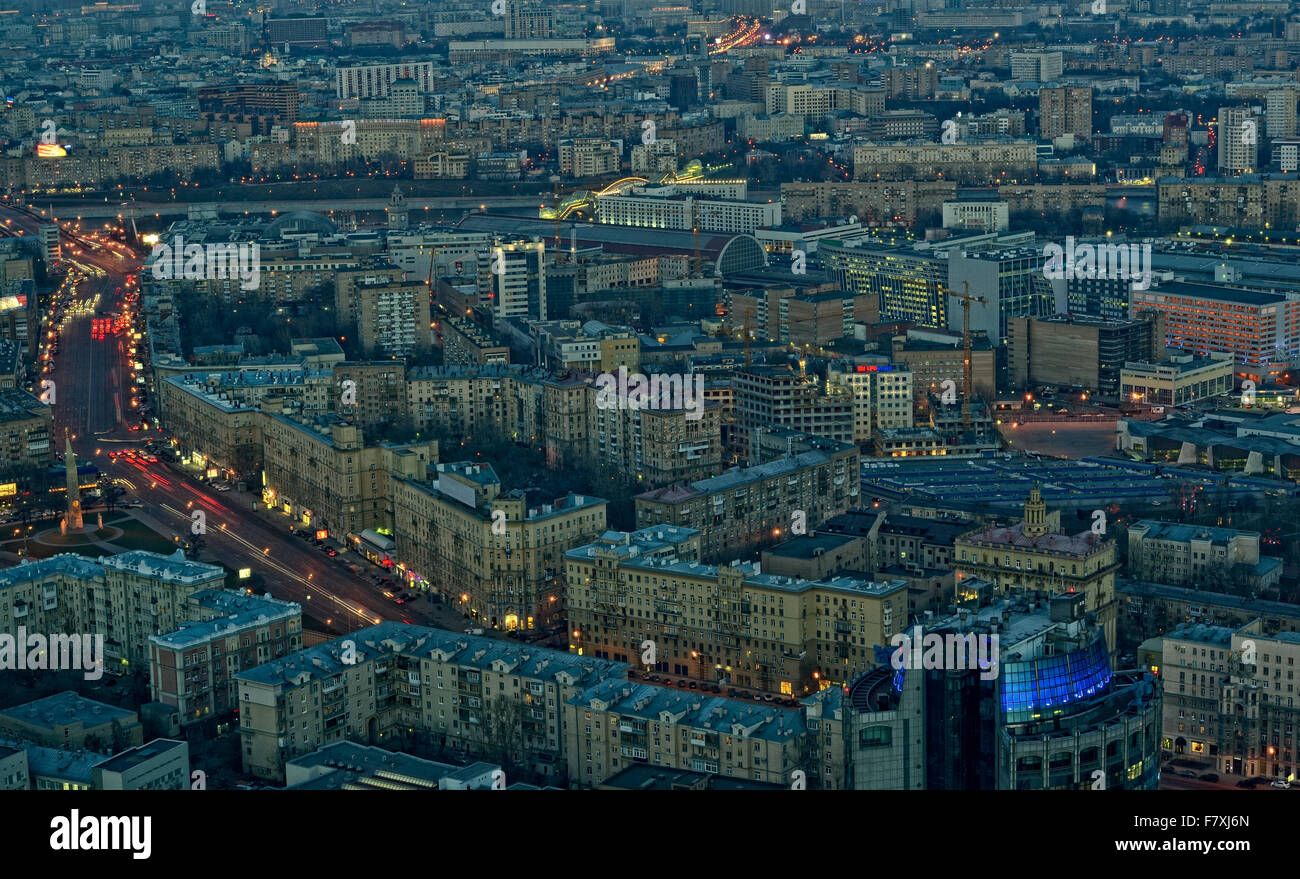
column 301, row 221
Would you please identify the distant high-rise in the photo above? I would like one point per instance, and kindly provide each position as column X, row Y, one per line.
column 529, row 21
column 1238, row 138
column 1064, row 111
column 1279, row 112
column 512, row 279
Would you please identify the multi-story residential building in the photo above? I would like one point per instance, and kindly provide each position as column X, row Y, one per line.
column 1035, row 555
column 369, row 393
column 990, row 162
column 454, row 692
column 67, row 720
column 656, row 446
column 279, row 100
column 495, row 555
column 215, row 417
column 1238, row 202
column 1064, row 111
column 125, row 597
column 192, row 667
column 1260, row 330
column 564, row 345
column 465, row 343
column 617, row 724
column 750, row 507
column 1238, row 139
column 1037, row 66
column 779, row 396
column 725, row 623
column 588, row 157
column 26, row 424
column 1257, row 714
column 374, row 80
column 324, row 475
column 1188, row 555
column 512, row 279
column 465, row 400
column 873, row 202
column 392, row 317
column 1194, row 661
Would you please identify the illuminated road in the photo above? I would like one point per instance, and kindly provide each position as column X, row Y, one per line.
column 93, row 401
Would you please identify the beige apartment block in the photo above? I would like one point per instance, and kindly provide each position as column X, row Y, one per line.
column 493, row 554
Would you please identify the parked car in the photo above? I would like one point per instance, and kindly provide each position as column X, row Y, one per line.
column 1210, row 776
column 1281, row 784
column 1186, row 773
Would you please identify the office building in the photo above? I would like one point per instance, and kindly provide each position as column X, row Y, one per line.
column 1076, row 351
column 1179, row 380
column 162, row 764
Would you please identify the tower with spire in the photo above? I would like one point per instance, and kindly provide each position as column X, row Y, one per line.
column 74, row 521
column 1035, row 524
column 397, row 213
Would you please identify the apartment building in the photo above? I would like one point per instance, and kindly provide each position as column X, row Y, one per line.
column 992, row 162
column 655, row 446
column 495, row 555
column 324, row 475
column 588, row 157
column 725, row 623
column 392, row 317
column 512, row 279
column 1257, row 713
column 746, row 508
column 67, row 720
column 1189, row 555
column 873, row 202
column 26, row 424
column 1036, row 555
column 618, row 724
column 936, row 356
column 459, row 693
column 126, row 598
column 214, row 417
column 465, row 343
column 1195, row 662
column 467, row 399
column 192, row 668
column 1064, row 111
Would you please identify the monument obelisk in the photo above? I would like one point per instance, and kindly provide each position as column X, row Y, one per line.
column 74, row 522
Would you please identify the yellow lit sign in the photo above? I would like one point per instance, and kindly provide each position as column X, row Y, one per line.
column 8, row 489
column 245, row 573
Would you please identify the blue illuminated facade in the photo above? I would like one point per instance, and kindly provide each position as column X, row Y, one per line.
column 1045, row 686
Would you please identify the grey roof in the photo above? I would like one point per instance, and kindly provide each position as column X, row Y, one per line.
column 65, row 708
column 694, row 709
column 392, row 638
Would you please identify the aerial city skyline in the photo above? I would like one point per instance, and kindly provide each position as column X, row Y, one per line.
column 509, row 394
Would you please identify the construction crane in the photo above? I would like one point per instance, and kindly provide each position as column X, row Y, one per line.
column 697, row 267
column 555, row 183
column 967, row 381
column 747, row 334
